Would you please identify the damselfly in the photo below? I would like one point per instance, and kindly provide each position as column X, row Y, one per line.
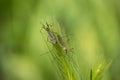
column 62, row 43
column 50, row 33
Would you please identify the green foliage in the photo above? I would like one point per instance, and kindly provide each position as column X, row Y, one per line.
column 61, row 54
column 101, row 68
column 87, row 32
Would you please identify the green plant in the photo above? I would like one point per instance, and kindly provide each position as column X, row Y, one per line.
column 61, row 55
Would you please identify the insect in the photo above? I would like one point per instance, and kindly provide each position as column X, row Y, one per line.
column 62, row 43
column 50, row 33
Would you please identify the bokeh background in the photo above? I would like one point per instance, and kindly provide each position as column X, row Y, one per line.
column 93, row 27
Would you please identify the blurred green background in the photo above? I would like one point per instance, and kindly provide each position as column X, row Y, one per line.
column 93, row 27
